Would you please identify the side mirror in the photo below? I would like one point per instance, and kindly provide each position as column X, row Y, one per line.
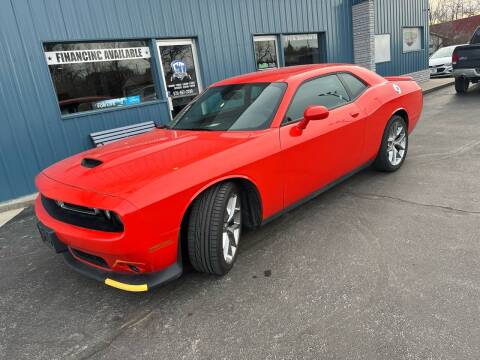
column 313, row 112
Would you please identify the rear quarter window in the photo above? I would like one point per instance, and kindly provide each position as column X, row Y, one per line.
column 354, row 84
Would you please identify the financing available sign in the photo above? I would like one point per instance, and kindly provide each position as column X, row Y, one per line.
column 96, row 55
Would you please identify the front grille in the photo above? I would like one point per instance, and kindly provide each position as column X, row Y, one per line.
column 77, row 208
column 82, row 216
column 93, row 259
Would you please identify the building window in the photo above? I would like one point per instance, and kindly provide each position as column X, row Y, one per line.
column 301, row 49
column 412, row 39
column 100, row 75
column 266, row 52
column 382, row 48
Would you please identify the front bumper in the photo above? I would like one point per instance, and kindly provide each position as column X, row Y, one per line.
column 127, row 282
column 123, row 281
column 440, row 71
column 147, row 245
column 467, row 73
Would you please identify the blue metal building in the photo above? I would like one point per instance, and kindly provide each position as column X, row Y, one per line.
column 69, row 68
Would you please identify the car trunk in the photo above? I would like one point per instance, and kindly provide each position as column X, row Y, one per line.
column 468, row 57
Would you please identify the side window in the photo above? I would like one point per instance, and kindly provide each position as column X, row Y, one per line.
column 327, row 91
column 476, row 37
column 355, row 85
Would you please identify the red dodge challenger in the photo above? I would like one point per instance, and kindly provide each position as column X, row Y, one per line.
column 131, row 213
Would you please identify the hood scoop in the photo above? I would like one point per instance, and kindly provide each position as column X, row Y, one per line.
column 91, row 163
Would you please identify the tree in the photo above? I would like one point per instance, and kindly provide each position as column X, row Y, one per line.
column 448, row 10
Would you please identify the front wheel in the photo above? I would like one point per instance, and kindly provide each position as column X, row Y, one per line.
column 214, row 229
column 394, row 146
column 461, row 85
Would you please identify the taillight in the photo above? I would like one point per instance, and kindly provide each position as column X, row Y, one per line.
column 455, row 58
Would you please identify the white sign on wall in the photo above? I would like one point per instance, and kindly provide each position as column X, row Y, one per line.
column 382, row 48
column 96, row 55
column 412, row 39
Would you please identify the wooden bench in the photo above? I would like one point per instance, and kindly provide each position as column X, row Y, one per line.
column 101, row 138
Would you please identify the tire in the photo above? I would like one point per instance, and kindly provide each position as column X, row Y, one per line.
column 461, row 85
column 210, row 221
column 392, row 153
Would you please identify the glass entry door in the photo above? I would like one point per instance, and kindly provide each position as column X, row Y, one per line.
column 179, row 65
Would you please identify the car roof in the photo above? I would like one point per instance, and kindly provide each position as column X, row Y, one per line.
column 284, row 74
column 451, row 46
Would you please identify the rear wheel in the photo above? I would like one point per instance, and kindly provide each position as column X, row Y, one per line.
column 461, row 85
column 394, row 146
column 214, row 229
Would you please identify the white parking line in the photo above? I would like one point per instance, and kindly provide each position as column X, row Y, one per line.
column 8, row 215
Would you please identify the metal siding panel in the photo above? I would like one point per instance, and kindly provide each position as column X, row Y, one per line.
column 390, row 18
column 28, row 43
column 33, row 134
column 14, row 131
column 226, row 34
column 47, row 10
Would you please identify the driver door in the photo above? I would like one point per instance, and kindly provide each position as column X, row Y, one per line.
column 326, row 149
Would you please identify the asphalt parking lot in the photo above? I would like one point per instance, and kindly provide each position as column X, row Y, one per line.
column 384, row 266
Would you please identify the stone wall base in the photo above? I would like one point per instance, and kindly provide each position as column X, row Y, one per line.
column 420, row 76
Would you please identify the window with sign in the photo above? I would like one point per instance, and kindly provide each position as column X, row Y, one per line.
column 301, row 49
column 266, row 52
column 100, row 75
column 412, row 39
column 182, row 80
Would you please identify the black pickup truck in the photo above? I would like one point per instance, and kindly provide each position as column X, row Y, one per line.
column 466, row 63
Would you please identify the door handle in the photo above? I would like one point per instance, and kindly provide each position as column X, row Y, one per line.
column 354, row 114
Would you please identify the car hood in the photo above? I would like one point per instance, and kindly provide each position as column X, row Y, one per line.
column 440, row 61
column 128, row 165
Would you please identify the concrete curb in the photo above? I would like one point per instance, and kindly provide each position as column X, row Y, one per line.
column 438, row 87
column 18, row 203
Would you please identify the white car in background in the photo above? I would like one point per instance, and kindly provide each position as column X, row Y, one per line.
column 440, row 63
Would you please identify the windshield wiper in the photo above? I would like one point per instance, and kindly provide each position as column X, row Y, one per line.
column 161, row 126
column 194, row 129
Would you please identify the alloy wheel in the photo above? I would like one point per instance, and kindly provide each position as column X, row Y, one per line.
column 231, row 228
column 397, row 142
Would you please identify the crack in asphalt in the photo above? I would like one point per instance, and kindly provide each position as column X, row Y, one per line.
column 370, row 196
column 106, row 343
column 448, row 154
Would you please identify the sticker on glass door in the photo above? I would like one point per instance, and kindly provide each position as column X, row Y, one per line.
column 179, row 64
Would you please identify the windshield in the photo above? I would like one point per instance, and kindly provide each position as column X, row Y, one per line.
column 443, row 52
column 232, row 107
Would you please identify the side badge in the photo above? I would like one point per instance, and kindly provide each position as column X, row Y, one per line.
column 397, row 88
